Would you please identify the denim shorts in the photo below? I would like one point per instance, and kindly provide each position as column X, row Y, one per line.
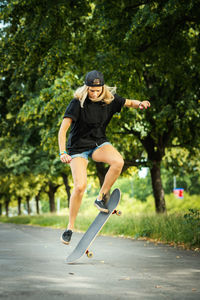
column 89, row 153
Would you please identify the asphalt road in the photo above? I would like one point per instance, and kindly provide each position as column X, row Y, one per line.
column 32, row 266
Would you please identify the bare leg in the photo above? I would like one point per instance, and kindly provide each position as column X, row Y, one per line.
column 108, row 154
column 79, row 173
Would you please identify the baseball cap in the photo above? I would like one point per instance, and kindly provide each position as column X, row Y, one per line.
column 94, row 78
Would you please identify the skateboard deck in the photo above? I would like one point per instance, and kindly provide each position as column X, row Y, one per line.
column 94, row 229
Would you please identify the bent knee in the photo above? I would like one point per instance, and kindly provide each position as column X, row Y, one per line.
column 80, row 188
column 118, row 163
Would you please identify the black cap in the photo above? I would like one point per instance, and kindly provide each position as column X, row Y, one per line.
column 94, row 78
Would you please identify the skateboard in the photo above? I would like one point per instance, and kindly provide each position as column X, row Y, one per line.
column 90, row 235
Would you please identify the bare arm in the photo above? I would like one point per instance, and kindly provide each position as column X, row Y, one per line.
column 66, row 123
column 137, row 104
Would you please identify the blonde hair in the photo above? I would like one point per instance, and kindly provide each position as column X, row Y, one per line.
column 107, row 94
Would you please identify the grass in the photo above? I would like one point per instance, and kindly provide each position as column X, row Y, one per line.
column 180, row 226
column 177, row 229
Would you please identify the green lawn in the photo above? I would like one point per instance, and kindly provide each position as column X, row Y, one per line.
column 180, row 226
column 176, row 228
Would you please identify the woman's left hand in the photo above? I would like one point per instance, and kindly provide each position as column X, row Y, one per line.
column 144, row 104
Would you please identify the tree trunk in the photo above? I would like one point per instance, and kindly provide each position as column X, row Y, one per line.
column 19, row 201
column 51, row 193
column 7, row 207
column 37, row 199
column 52, row 206
column 156, row 153
column 28, row 204
column 158, row 190
column 67, row 187
column 0, row 209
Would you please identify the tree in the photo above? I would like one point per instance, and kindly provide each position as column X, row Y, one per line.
column 5, row 195
column 185, row 165
column 140, row 41
column 33, row 54
column 133, row 43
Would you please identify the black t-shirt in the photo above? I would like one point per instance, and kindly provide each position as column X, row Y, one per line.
column 88, row 128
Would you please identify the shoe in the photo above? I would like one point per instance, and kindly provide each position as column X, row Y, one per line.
column 101, row 204
column 66, row 236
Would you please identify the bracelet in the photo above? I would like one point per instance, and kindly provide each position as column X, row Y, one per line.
column 139, row 104
column 62, row 152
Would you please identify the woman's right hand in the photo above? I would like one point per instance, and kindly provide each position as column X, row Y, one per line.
column 65, row 158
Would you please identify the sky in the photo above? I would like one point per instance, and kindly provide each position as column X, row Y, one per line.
column 143, row 172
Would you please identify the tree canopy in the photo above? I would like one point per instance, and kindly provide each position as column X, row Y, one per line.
column 149, row 50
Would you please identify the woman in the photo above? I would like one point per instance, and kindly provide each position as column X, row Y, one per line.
column 88, row 114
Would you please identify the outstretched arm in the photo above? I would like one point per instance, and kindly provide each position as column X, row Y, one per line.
column 64, row 157
column 137, row 104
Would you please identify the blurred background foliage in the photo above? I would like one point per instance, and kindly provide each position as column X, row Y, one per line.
column 148, row 50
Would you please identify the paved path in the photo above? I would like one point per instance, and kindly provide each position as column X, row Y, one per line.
column 32, row 266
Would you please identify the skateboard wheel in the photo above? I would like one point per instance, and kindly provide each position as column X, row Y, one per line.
column 118, row 213
column 89, row 254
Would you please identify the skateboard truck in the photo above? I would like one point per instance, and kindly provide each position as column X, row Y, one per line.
column 117, row 212
column 89, row 254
